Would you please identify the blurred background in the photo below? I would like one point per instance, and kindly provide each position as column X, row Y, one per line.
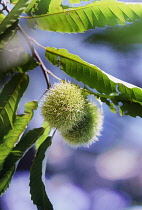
column 108, row 174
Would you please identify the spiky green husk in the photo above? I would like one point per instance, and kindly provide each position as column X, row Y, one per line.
column 63, row 106
column 88, row 128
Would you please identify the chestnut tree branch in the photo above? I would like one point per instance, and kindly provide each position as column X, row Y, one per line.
column 36, row 55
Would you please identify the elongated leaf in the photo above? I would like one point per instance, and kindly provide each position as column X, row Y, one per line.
column 5, row 179
column 38, row 7
column 37, row 188
column 11, row 138
column 81, row 70
column 9, row 99
column 128, row 34
column 15, row 155
column 13, row 16
column 19, row 126
column 44, row 135
column 128, row 106
column 98, row 13
column 110, row 87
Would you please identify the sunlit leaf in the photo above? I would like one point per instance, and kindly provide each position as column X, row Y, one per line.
column 13, row 16
column 37, row 188
column 19, row 126
column 38, row 7
column 87, row 73
column 55, row 6
column 96, row 14
column 2, row 16
column 44, row 135
column 74, row 1
column 15, row 155
column 108, row 86
column 9, row 99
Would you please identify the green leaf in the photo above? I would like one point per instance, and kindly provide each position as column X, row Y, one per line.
column 129, row 105
column 38, row 7
column 109, row 87
column 96, row 14
column 76, row 1
column 10, row 97
column 44, row 136
column 15, row 155
column 80, row 70
column 19, row 126
column 13, row 16
column 55, row 6
column 13, row 1
column 2, row 16
column 129, row 34
column 103, row 97
column 37, row 188
column 29, row 107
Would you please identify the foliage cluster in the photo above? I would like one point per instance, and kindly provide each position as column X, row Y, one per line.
column 53, row 15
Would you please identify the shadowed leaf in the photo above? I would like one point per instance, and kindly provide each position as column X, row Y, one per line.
column 37, row 188
column 15, row 155
column 44, row 136
column 124, row 35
